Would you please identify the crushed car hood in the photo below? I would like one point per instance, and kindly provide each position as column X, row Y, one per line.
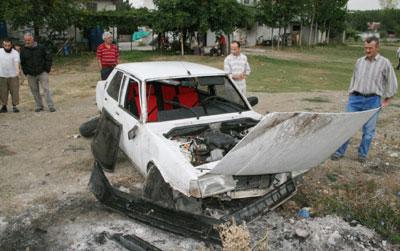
column 290, row 141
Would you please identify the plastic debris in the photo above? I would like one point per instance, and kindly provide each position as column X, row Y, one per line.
column 304, row 213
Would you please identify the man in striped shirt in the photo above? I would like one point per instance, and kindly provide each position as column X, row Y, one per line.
column 373, row 84
column 237, row 67
column 107, row 55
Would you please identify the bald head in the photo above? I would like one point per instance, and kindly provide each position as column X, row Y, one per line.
column 28, row 39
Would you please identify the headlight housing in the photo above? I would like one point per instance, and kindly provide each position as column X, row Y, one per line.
column 212, row 184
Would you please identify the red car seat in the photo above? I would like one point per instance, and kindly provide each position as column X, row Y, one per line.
column 188, row 96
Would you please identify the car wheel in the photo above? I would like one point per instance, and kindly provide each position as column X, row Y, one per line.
column 88, row 129
column 156, row 189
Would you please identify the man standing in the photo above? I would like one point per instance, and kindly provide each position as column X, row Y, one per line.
column 398, row 58
column 373, row 84
column 222, row 44
column 9, row 71
column 107, row 55
column 36, row 64
column 237, row 67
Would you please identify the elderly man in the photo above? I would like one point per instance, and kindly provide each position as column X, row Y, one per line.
column 107, row 55
column 373, row 84
column 9, row 71
column 237, row 67
column 36, row 64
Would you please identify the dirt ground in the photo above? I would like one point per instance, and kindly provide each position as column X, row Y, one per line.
column 45, row 168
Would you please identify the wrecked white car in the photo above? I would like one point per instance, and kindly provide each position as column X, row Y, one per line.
column 188, row 129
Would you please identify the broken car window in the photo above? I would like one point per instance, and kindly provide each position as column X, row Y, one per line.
column 132, row 100
column 114, row 86
column 172, row 99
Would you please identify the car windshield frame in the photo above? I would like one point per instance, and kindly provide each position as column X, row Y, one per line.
column 221, row 102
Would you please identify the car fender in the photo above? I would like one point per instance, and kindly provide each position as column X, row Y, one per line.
column 100, row 91
column 174, row 168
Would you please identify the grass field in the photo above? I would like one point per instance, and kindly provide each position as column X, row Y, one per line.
column 288, row 70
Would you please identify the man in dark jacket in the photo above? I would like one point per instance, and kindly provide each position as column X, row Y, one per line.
column 36, row 64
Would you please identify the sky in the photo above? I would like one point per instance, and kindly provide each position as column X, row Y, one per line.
column 363, row 5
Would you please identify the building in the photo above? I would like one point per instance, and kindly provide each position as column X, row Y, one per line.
column 149, row 4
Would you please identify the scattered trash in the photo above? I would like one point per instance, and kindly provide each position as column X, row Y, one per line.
column 302, row 233
column 304, row 213
column 124, row 189
column 394, row 155
column 76, row 136
column 354, row 223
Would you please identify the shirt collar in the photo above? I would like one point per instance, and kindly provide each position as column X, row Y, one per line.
column 376, row 58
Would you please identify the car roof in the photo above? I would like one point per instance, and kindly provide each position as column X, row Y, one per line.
column 168, row 69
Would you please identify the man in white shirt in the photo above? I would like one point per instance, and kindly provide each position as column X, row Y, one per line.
column 237, row 67
column 9, row 72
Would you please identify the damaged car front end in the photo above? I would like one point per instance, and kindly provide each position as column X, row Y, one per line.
column 196, row 139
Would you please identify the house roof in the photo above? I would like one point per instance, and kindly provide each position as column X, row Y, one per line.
column 168, row 69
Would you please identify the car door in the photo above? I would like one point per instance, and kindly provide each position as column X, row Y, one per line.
column 129, row 116
column 105, row 144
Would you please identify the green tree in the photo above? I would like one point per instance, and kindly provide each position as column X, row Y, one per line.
column 182, row 17
column 54, row 15
column 279, row 13
column 228, row 15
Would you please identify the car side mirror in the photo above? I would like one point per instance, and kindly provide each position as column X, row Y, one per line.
column 132, row 132
column 253, row 100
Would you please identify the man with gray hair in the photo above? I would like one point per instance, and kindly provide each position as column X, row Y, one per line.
column 36, row 63
column 372, row 86
column 107, row 55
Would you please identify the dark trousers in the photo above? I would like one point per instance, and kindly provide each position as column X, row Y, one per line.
column 398, row 66
column 105, row 72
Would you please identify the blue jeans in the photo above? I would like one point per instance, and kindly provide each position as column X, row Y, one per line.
column 358, row 104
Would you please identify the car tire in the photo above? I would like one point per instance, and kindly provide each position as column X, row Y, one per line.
column 156, row 189
column 88, row 129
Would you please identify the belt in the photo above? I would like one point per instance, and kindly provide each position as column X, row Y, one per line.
column 355, row 93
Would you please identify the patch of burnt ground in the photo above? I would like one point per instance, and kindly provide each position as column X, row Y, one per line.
column 29, row 231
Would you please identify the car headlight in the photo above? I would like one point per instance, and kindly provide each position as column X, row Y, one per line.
column 209, row 185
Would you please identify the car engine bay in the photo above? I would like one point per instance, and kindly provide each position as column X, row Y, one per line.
column 206, row 143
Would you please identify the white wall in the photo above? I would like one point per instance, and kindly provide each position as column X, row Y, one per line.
column 149, row 4
column 109, row 5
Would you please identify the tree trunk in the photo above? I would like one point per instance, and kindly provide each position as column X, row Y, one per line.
column 284, row 40
column 316, row 34
column 36, row 31
column 182, row 45
column 329, row 34
column 311, row 31
column 229, row 43
column 279, row 37
column 272, row 37
column 300, row 35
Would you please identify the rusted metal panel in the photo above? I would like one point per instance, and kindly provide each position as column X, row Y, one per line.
column 289, row 141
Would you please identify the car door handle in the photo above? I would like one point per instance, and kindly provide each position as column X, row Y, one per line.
column 117, row 113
